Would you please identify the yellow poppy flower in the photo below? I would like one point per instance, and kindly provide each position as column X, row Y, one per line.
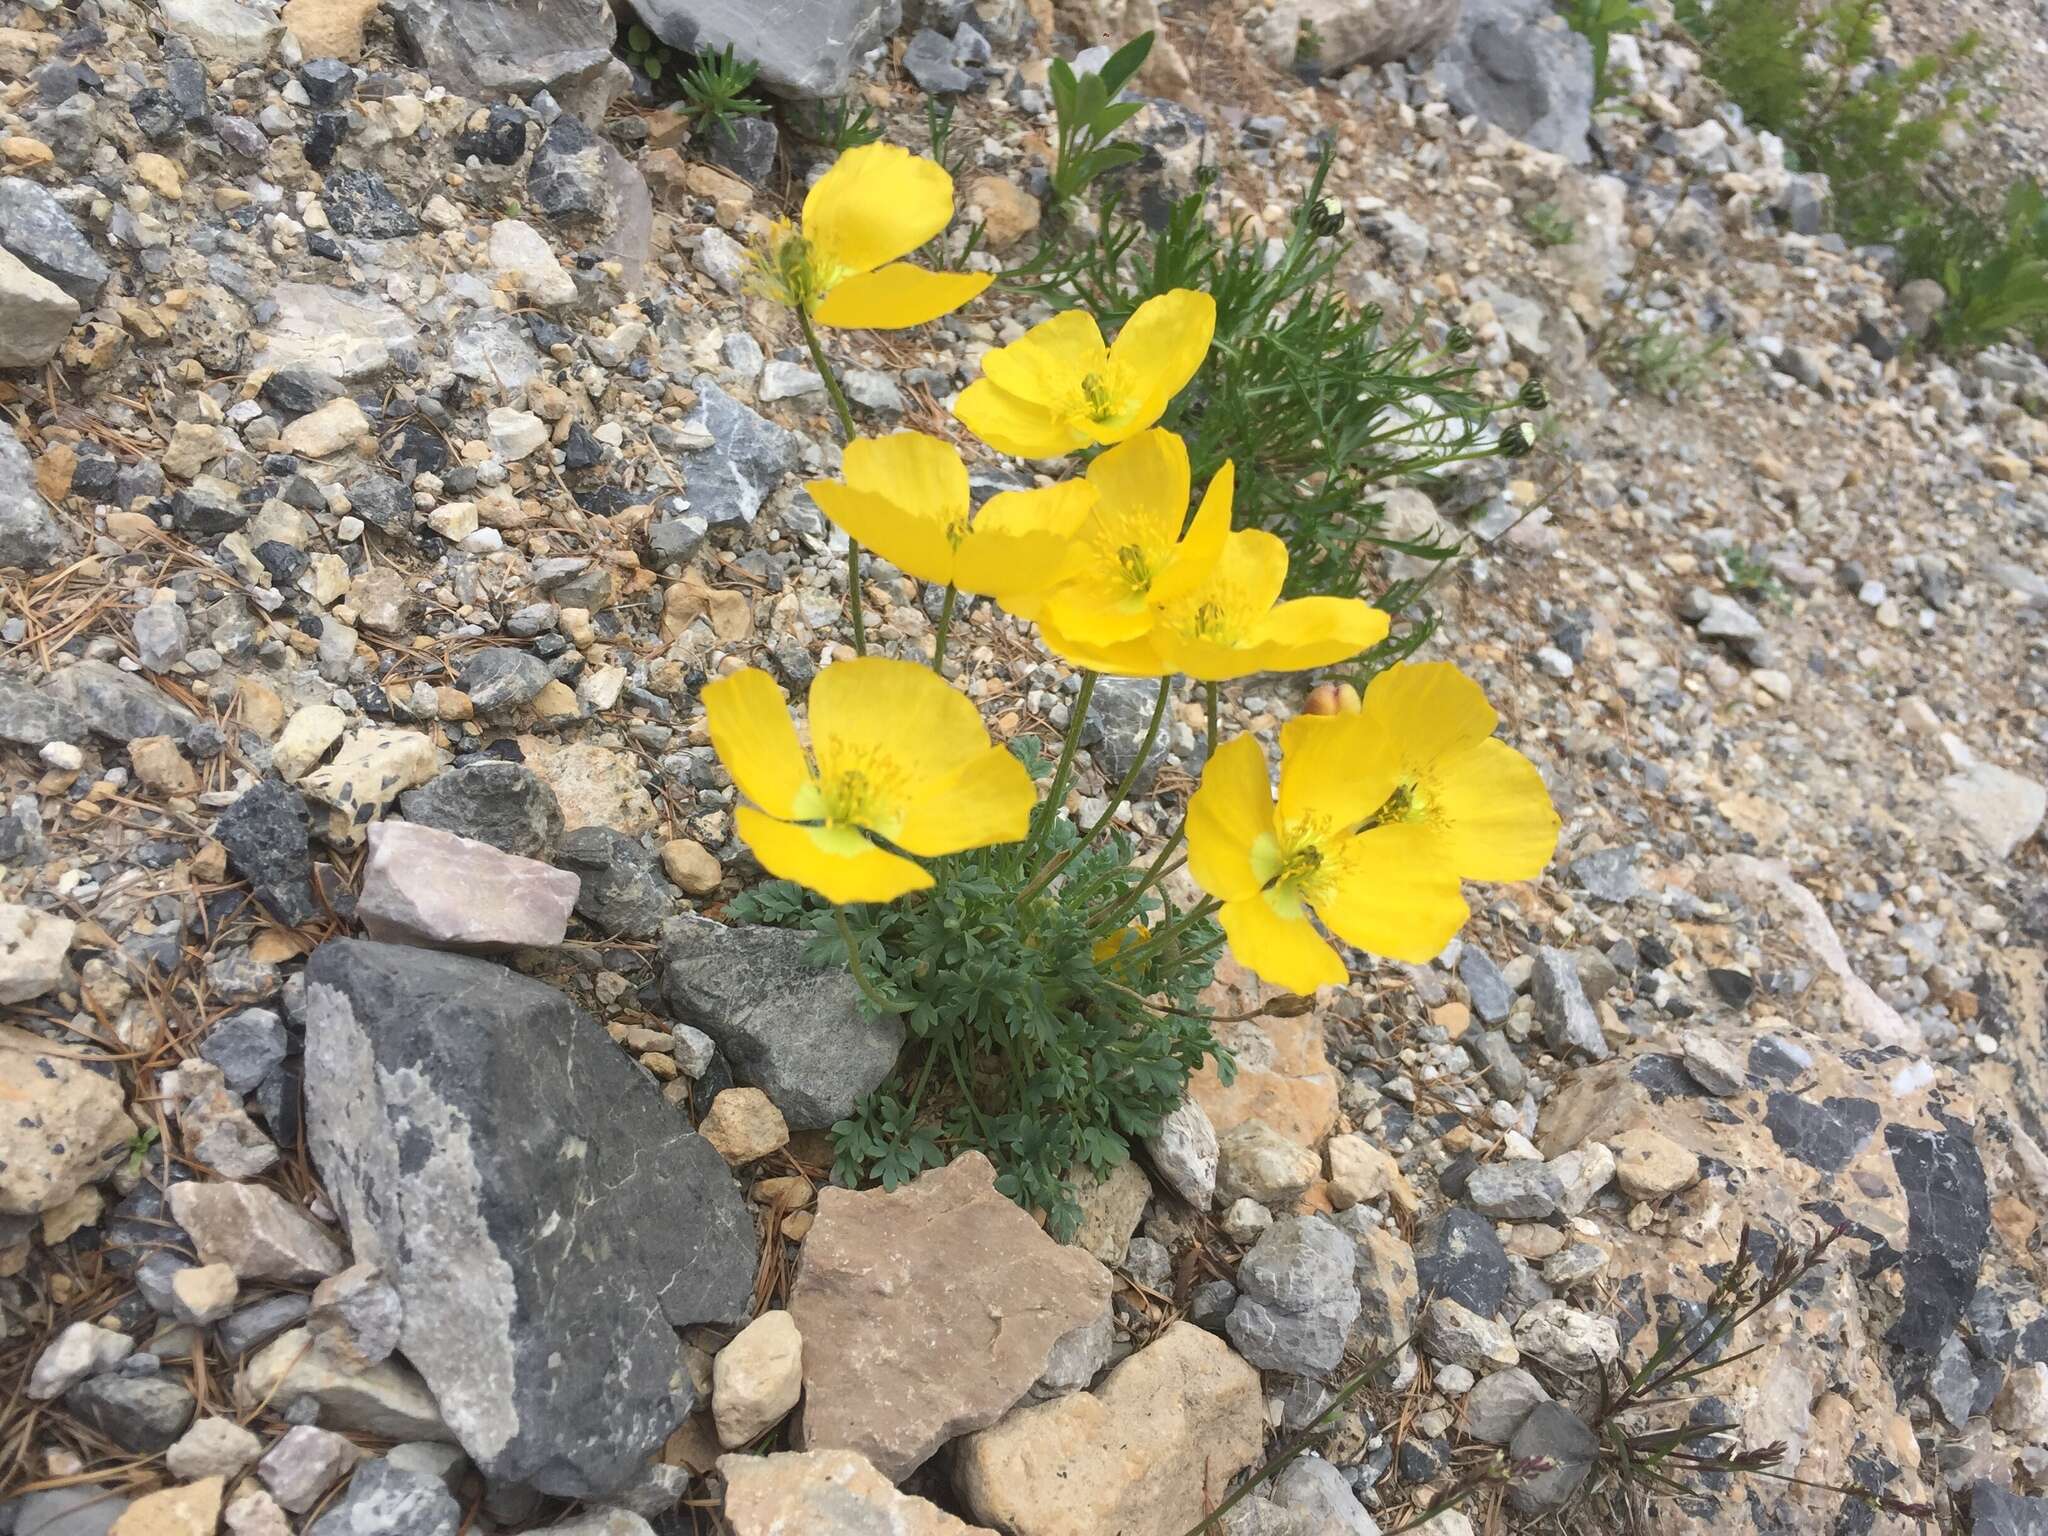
column 1058, row 388
column 898, row 754
column 878, row 203
column 1379, row 816
column 905, row 498
column 1234, row 624
column 1128, row 558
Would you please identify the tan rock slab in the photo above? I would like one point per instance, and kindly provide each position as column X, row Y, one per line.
column 1284, row 1076
column 329, row 29
column 64, row 1126
column 161, row 766
column 596, row 786
column 744, row 1124
column 691, row 866
column 255, row 1231
column 1148, row 1453
column 757, row 1378
column 928, row 1311
column 422, row 885
column 1649, row 1165
column 193, row 1510
column 1110, row 1209
column 820, row 1493
column 388, row 1399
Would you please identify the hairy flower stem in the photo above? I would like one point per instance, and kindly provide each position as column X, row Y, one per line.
column 846, row 436
column 1209, row 690
column 860, row 975
column 1061, row 775
column 1055, row 865
column 945, row 626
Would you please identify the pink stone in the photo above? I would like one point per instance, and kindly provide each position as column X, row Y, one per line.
column 425, row 886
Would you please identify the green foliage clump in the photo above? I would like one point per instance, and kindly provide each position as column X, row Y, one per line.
column 1994, row 269
column 1663, row 361
column 1034, row 1037
column 1598, row 21
column 1087, row 117
column 837, row 124
column 1549, row 224
column 711, row 88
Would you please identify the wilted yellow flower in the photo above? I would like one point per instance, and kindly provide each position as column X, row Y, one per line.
column 1128, row 558
column 878, row 203
column 1380, row 814
column 1058, row 388
column 898, row 754
column 1233, row 624
column 905, row 497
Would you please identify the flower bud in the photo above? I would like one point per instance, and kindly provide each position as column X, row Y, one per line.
column 1331, row 699
column 1517, row 439
column 1326, row 217
column 1459, row 338
column 1534, row 396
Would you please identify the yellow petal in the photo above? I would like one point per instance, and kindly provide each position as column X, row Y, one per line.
column 899, row 724
column 1394, row 894
column 912, row 469
column 1334, row 768
column 1019, row 543
column 1286, row 951
column 1011, row 424
column 1094, row 608
column 897, row 296
column 1230, row 811
column 1161, row 347
column 1298, row 636
column 987, row 800
column 1047, row 364
column 910, row 541
column 828, row 864
column 1493, row 814
column 1429, row 708
column 754, row 737
column 1145, row 656
column 878, row 202
column 1203, row 546
column 1142, row 486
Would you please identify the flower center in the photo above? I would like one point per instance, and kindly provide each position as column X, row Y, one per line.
column 1410, row 801
column 956, row 531
column 1293, row 865
column 848, row 797
column 1136, row 565
column 789, row 270
column 1100, row 403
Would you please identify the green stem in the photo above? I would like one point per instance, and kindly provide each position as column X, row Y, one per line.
column 1209, row 689
column 860, row 975
column 1055, row 865
column 1049, row 812
column 1130, row 899
column 945, row 624
column 846, row 435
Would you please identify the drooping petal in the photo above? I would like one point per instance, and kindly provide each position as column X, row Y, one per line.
column 1020, row 541
column 1161, row 347
column 899, row 724
column 1147, row 655
column 1230, row 811
column 1046, row 365
column 756, row 740
column 1011, row 424
column 830, row 864
column 1334, row 769
column 1392, row 893
column 1142, row 486
column 1494, row 814
column 912, row 469
column 987, row 800
column 1286, row 951
column 1429, row 707
column 878, row 202
column 1296, row 636
column 1093, row 608
column 893, row 297
column 911, row 540
column 1203, row 546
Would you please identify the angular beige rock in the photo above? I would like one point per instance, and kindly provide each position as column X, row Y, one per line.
column 826, row 1493
column 65, row 1125
column 329, row 29
column 214, row 1447
column 1284, row 1076
column 205, row 1293
column 193, row 1510
column 330, row 430
column 757, row 1378
column 33, row 945
column 1649, row 1165
column 226, row 32
column 521, row 253
column 307, row 736
column 929, row 1311
column 744, row 1124
column 35, row 315
column 1388, row 1287
column 161, row 766
column 372, row 768
column 1110, row 1209
column 596, row 786
column 422, row 885
column 255, row 1231
column 1256, row 1162
column 1360, row 1171
column 1147, row 1453
column 387, row 1399
column 692, row 867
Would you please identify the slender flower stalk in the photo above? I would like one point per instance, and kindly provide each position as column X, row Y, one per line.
column 846, row 436
column 945, row 625
column 1122, row 792
column 1049, row 812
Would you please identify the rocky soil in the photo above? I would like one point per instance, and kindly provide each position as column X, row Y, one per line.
column 388, row 452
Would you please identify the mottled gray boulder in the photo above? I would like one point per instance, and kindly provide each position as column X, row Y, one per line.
column 29, row 535
column 547, row 1220
column 789, row 1028
column 117, row 705
column 804, row 47
column 488, row 48
column 1535, row 82
column 620, row 890
column 1300, row 1298
column 383, row 1499
column 1121, row 710
column 506, row 805
column 747, row 458
column 37, row 231
column 29, row 717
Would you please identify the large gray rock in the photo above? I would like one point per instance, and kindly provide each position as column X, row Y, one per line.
column 487, row 48
column 28, row 717
column 1534, row 82
column 29, row 535
column 40, row 234
column 787, row 1027
column 1300, row 1298
column 506, row 805
column 547, row 1220
column 804, row 47
column 1350, row 32
column 119, row 706
column 747, row 458
column 35, row 314
column 384, row 1499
